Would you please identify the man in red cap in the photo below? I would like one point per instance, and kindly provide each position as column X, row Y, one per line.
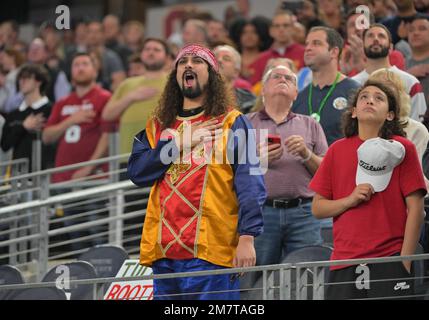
column 202, row 214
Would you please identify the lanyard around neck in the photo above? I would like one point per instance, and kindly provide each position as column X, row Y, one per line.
column 316, row 115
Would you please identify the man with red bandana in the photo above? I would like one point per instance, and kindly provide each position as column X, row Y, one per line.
column 202, row 214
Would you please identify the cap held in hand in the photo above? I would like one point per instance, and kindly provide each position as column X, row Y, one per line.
column 377, row 158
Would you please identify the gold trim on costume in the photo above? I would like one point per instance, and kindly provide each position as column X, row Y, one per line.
column 181, row 196
column 176, row 239
column 176, row 169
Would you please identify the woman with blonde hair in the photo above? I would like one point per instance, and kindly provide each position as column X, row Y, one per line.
column 416, row 131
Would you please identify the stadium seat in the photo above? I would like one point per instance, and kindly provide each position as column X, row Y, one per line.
column 78, row 270
column 9, row 275
column 308, row 254
column 106, row 259
column 39, row 294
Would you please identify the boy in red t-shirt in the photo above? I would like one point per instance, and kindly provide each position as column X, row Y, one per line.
column 375, row 196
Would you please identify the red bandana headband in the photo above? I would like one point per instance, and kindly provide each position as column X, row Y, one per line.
column 199, row 51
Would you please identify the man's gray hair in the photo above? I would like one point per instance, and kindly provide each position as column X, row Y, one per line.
column 233, row 51
column 268, row 73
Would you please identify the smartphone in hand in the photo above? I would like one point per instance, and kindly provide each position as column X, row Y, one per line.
column 274, row 139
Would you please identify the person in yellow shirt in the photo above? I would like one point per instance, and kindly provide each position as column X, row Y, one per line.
column 135, row 99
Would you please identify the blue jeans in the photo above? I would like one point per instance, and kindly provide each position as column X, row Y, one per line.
column 286, row 230
column 165, row 289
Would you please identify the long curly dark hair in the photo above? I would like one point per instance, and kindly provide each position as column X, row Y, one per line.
column 218, row 99
column 389, row 128
column 262, row 27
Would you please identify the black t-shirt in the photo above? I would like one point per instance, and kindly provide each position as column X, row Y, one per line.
column 17, row 137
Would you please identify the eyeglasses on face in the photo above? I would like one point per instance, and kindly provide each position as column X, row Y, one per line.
column 287, row 77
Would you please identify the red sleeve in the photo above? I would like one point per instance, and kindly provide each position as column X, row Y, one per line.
column 411, row 174
column 242, row 84
column 55, row 116
column 104, row 100
column 301, row 59
column 397, row 59
column 322, row 180
column 416, row 88
column 352, row 73
column 258, row 66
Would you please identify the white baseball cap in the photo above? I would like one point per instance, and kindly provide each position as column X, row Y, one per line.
column 377, row 158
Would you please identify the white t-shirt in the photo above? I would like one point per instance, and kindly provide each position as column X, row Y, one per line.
column 413, row 87
column 417, row 134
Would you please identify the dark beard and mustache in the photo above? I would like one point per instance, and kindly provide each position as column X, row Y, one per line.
column 383, row 53
column 84, row 82
column 190, row 92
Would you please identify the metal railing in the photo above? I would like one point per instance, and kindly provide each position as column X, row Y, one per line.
column 53, row 217
column 9, row 186
column 16, row 180
column 34, row 238
column 42, row 221
column 285, row 287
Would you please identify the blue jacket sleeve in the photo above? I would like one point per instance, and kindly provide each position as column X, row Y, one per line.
column 147, row 165
column 248, row 179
